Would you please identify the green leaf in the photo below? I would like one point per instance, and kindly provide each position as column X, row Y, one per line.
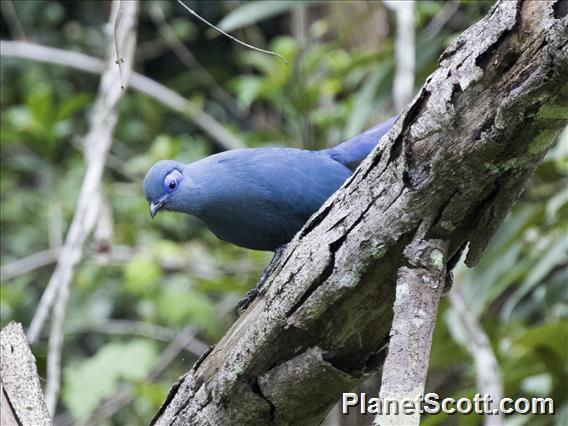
column 555, row 205
column 180, row 305
column 552, row 335
column 87, row 383
column 248, row 88
column 490, row 278
column 142, row 274
column 365, row 102
column 71, row 105
column 547, row 261
column 40, row 101
column 251, row 13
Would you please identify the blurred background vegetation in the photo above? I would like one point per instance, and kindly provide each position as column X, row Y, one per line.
column 142, row 282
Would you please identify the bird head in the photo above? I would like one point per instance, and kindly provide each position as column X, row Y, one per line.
column 163, row 186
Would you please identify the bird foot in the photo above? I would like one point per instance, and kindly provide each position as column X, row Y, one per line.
column 252, row 294
column 245, row 302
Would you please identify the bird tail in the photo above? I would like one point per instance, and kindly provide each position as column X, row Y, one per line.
column 350, row 153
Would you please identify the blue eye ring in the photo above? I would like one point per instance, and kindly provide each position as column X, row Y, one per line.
column 172, row 181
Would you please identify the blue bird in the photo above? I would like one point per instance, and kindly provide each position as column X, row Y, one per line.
column 257, row 198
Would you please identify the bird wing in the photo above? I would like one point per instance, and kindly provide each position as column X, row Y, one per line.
column 353, row 151
column 259, row 198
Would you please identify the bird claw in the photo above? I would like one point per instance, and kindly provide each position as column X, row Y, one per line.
column 245, row 302
column 252, row 294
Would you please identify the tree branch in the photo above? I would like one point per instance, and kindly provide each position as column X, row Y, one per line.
column 457, row 159
column 28, row 264
column 97, row 144
column 139, row 328
column 206, row 123
column 403, row 85
column 22, row 398
column 250, row 46
column 125, row 396
column 419, row 289
column 488, row 374
column 199, row 71
column 12, row 20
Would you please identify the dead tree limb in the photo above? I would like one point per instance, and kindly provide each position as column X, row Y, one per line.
column 450, row 169
column 419, row 288
column 22, row 399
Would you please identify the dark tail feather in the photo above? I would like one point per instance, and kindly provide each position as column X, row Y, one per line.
column 353, row 151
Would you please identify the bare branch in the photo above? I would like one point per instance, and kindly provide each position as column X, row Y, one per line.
column 139, row 82
column 119, row 59
column 269, row 52
column 489, row 377
column 12, row 20
column 190, row 61
column 441, row 19
column 21, row 390
column 103, row 229
column 138, row 328
column 28, row 264
column 200, row 265
column 125, row 396
column 97, row 144
column 418, row 291
column 403, row 87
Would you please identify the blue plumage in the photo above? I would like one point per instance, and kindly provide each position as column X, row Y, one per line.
column 257, row 198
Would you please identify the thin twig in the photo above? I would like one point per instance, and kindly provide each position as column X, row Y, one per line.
column 150, row 49
column 119, row 59
column 97, row 144
column 191, row 62
column 138, row 328
column 441, row 19
column 123, row 397
column 269, row 52
column 200, row 266
column 28, row 264
column 208, row 124
column 12, row 20
column 103, row 229
column 488, row 374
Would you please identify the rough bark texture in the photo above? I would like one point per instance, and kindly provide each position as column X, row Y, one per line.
column 419, row 289
column 449, row 170
column 22, row 399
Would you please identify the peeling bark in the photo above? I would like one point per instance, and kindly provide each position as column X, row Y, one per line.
column 452, row 166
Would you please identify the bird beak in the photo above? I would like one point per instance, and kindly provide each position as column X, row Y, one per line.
column 155, row 207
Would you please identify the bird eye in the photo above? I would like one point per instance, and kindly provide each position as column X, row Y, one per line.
column 172, row 180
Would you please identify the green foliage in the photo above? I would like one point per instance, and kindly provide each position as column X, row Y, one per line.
column 142, row 275
column 88, row 382
column 252, row 13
